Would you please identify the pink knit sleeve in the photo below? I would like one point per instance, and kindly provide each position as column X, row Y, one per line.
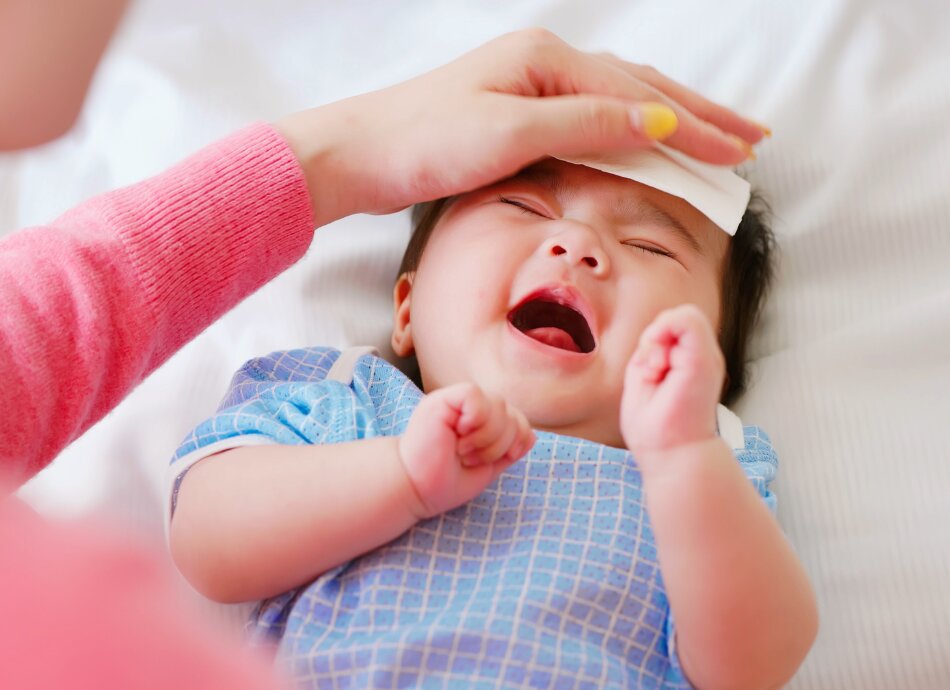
column 93, row 302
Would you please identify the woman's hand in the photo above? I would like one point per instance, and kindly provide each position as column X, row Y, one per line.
column 519, row 98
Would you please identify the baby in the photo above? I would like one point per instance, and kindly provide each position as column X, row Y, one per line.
column 566, row 504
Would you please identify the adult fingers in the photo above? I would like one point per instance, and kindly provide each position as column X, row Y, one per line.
column 553, row 70
column 585, row 125
column 724, row 118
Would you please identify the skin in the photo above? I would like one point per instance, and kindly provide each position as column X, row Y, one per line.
column 480, row 118
column 729, row 571
column 49, row 51
column 493, row 117
column 497, row 245
column 651, row 384
column 516, row 100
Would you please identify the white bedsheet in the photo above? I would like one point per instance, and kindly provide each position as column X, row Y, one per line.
column 852, row 363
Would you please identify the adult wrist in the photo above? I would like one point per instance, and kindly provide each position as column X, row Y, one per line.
column 315, row 137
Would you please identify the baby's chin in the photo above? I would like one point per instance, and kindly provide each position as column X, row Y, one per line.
column 547, row 401
column 591, row 430
column 569, row 415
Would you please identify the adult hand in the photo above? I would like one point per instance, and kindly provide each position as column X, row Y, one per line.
column 515, row 100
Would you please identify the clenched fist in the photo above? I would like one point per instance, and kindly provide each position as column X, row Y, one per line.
column 672, row 384
column 458, row 441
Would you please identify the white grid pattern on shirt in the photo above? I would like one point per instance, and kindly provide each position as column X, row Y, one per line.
column 548, row 579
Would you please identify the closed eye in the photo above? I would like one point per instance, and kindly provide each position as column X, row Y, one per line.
column 649, row 249
column 525, row 208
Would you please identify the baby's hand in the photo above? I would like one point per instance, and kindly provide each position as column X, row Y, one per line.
column 458, row 441
column 673, row 383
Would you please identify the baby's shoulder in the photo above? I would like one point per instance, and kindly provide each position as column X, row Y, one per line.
column 306, row 372
column 757, row 442
column 301, row 365
column 759, row 462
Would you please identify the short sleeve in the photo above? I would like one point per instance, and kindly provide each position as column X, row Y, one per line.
column 760, row 463
column 283, row 398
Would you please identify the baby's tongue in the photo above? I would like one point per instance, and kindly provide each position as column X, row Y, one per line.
column 555, row 337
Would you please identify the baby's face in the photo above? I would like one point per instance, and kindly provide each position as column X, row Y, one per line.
column 538, row 288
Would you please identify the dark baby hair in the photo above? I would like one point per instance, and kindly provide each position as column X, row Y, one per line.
column 747, row 277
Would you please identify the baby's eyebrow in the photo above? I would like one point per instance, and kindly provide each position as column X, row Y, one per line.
column 549, row 179
column 643, row 210
column 631, row 207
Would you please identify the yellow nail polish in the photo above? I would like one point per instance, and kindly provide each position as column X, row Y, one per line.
column 766, row 130
column 744, row 145
column 655, row 120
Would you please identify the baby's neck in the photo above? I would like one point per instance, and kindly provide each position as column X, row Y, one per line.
column 587, row 430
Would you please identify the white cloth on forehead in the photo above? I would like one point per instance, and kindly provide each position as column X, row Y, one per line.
column 715, row 191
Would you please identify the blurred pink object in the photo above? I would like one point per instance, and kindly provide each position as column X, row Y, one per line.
column 85, row 609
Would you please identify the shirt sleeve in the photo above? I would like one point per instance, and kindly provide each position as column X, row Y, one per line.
column 96, row 300
column 283, row 398
column 760, row 463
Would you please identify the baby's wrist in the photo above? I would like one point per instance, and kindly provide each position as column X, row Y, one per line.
column 676, row 459
column 412, row 499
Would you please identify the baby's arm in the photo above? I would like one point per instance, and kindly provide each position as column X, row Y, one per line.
column 745, row 612
column 266, row 519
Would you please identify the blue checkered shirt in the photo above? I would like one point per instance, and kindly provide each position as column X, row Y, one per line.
column 548, row 579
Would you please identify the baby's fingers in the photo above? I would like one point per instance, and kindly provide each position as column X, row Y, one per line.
column 496, row 430
column 524, row 440
column 494, row 451
column 466, row 406
column 651, row 361
column 679, row 341
column 514, row 442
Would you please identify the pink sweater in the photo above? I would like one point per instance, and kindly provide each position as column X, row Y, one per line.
column 95, row 301
column 89, row 305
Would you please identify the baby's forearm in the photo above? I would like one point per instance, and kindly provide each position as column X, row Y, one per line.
column 260, row 520
column 744, row 609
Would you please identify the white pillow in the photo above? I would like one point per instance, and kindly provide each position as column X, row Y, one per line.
column 852, row 363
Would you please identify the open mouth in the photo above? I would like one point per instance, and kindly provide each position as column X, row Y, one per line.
column 553, row 323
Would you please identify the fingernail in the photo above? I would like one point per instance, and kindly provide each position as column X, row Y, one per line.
column 766, row 130
column 654, row 120
column 744, row 146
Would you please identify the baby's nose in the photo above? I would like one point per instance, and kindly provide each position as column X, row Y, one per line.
column 579, row 246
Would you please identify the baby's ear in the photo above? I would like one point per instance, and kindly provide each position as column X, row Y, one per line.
column 402, row 330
